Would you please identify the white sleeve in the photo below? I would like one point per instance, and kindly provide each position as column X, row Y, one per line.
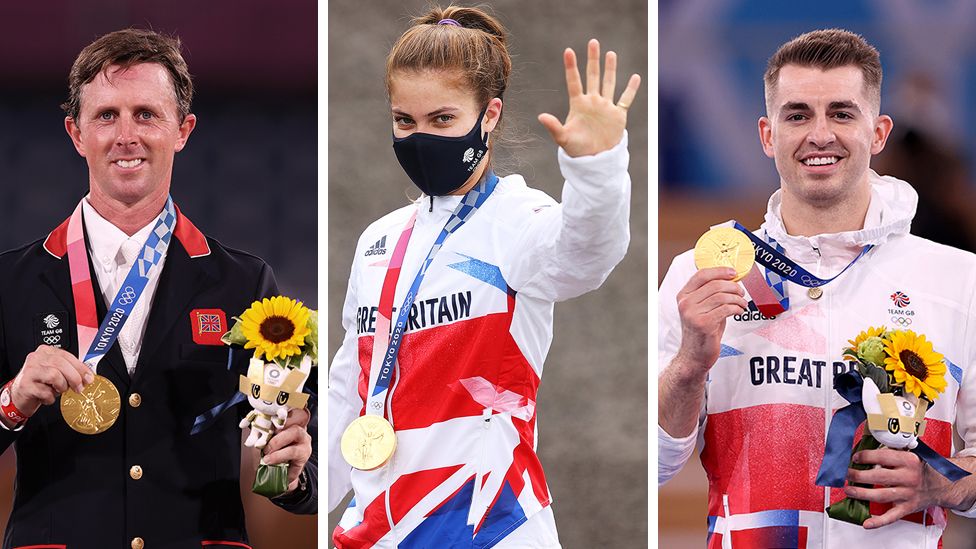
column 673, row 453
column 568, row 249
column 966, row 398
column 344, row 400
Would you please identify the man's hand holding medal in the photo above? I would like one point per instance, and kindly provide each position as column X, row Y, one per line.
column 47, row 373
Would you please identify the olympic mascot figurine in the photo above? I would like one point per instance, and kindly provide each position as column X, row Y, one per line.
column 284, row 334
column 893, row 420
column 272, row 390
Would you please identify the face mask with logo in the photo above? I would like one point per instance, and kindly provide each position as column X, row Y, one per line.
column 439, row 165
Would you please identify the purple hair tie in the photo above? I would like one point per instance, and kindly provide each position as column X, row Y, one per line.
column 449, row 22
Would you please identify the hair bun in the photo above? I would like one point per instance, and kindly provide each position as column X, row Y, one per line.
column 475, row 18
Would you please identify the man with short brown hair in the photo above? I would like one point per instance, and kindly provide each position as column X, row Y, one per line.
column 117, row 398
column 755, row 387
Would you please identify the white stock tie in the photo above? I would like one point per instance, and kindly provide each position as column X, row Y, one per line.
column 126, row 257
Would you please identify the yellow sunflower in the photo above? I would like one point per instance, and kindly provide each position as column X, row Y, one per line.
column 275, row 327
column 913, row 362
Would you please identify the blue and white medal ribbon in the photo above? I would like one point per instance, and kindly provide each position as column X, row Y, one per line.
column 780, row 268
column 379, row 382
column 133, row 286
column 370, row 440
column 96, row 408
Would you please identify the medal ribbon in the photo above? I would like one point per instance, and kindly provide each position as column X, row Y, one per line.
column 772, row 295
column 98, row 339
column 840, row 438
column 381, row 369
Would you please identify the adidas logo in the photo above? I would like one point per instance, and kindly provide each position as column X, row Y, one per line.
column 377, row 249
column 751, row 314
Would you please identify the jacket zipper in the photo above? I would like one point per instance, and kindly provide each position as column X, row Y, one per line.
column 477, row 498
column 828, row 386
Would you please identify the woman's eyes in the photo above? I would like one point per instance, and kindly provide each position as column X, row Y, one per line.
column 439, row 120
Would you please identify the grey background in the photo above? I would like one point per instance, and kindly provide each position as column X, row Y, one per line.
column 593, row 399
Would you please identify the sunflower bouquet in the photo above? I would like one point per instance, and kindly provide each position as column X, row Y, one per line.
column 280, row 328
column 284, row 336
column 901, row 375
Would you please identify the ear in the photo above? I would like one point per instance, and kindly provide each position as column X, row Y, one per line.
column 882, row 129
column 492, row 115
column 869, row 396
column 766, row 136
column 186, row 128
column 306, row 365
column 255, row 370
column 74, row 132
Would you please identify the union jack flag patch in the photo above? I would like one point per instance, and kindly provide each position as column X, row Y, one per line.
column 208, row 325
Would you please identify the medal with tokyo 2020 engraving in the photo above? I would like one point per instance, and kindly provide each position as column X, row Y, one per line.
column 725, row 247
column 368, row 442
column 94, row 410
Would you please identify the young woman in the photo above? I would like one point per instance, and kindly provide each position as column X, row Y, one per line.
column 432, row 421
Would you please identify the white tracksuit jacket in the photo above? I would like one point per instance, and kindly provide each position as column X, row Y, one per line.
column 465, row 472
column 769, row 397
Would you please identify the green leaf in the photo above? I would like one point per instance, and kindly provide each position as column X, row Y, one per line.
column 877, row 374
column 312, row 339
column 271, row 480
column 236, row 334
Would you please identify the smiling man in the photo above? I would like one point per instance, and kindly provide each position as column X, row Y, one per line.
column 755, row 390
column 113, row 382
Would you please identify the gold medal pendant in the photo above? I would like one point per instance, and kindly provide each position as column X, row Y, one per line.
column 725, row 247
column 368, row 442
column 94, row 410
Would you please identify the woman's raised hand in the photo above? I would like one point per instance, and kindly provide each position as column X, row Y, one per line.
column 594, row 123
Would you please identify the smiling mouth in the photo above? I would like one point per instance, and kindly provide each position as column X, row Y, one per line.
column 821, row 160
column 128, row 163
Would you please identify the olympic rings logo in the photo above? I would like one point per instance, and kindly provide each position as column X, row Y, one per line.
column 51, row 340
column 127, row 296
column 901, row 321
column 376, row 405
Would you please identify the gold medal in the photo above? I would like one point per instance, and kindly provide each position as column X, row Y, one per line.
column 725, row 247
column 94, row 410
column 368, row 442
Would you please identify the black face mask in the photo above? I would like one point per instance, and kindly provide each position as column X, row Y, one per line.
column 439, row 165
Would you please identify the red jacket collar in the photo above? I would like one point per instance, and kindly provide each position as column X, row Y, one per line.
column 186, row 232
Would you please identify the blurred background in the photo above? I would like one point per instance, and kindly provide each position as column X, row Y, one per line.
column 593, row 399
column 247, row 176
column 712, row 55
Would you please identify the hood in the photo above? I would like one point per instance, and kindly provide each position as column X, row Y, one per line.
column 890, row 214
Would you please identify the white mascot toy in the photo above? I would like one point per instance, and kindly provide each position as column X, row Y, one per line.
column 894, row 421
column 272, row 390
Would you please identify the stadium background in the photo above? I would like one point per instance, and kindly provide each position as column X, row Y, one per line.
column 593, row 399
column 247, row 176
column 712, row 54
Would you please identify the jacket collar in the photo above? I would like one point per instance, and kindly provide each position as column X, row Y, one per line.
column 185, row 231
column 181, row 279
column 890, row 213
